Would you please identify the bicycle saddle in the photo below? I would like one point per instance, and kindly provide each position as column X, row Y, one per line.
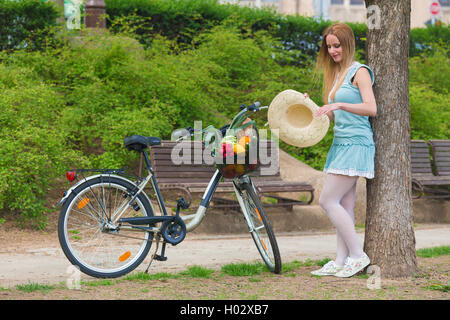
column 139, row 143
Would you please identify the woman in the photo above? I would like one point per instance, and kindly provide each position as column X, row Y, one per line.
column 348, row 89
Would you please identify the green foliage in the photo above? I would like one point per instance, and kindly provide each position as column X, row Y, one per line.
column 25, row 23
column 34, row 148
column 429, row 96
column 421, row 39
column 299, row 37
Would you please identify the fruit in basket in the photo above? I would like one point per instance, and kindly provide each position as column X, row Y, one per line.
column 238, row 148
column 244, row 140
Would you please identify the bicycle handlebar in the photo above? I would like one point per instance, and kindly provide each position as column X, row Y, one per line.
column 256, row 106
column 253, row 107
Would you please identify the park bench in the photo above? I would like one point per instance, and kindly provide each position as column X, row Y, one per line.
column 440, row 150
column 192, row 179
column 424, row 181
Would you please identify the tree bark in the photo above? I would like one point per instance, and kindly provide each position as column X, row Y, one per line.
column 389, row 235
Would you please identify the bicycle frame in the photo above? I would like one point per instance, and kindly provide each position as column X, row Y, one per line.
column 192, row 220
column 130, row 194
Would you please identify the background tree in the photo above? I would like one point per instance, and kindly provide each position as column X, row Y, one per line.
column 389, row 238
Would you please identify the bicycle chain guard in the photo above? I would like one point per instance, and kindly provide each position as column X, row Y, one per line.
column 174, row 230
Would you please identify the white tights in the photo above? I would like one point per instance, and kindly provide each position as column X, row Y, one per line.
column 338, row 200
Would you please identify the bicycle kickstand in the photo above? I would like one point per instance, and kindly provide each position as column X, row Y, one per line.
column 181, row 204
column 155, row 255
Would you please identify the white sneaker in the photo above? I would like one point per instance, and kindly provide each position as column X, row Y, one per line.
column 353, row 266
column 329, row 269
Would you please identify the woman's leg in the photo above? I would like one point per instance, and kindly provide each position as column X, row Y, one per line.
column 348, row 203
column 334, row 190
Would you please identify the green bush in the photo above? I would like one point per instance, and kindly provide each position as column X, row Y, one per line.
column 299, row 37
column 429, row 95
column 26, row 23
column 33, row 150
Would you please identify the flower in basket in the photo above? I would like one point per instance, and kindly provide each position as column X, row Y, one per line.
column 226, row 150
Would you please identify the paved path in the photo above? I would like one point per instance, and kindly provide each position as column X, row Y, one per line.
column 49, row 265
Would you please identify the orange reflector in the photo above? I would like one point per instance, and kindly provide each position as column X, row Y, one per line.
column 125, row 256
column 260, row 219
column 264, row 245
column 83, row 203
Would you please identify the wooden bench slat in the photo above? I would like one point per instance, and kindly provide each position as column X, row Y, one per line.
column 421, row 154
column 440, row 143
column 441, row 154
column 442, row 162
column 422, row 171
column 422, row 163
column 440, row 150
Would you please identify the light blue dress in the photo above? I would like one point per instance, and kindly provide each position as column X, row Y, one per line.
column 353, row 150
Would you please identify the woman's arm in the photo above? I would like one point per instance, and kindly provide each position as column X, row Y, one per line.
column 367, row 108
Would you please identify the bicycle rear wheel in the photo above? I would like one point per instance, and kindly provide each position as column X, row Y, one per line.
column 88, row 236
column 261, row 229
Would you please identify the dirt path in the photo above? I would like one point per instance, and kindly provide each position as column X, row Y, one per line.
column 35, row 257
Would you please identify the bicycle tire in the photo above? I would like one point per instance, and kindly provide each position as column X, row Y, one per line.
column 260, row 228
column 84, row 236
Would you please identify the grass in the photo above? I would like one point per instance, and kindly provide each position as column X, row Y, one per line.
column 142, row 276
column 439, row 287
column 198, row 272
column 31, row 287
column 433, row 252
column 96, row 283
column 244, row 269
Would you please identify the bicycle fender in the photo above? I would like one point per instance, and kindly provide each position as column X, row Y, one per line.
column 69, row 192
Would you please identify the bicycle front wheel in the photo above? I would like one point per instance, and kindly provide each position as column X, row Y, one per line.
column 260, row 228
column 88, row 235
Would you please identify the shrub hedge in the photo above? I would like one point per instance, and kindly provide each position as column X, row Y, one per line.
column 25, row 23
column 299, row 37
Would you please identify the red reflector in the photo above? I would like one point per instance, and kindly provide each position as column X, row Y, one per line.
column 71, row 175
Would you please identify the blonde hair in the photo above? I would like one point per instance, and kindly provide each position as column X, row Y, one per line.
column 325, row 62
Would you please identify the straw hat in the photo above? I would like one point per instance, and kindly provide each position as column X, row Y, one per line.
column 294, row 116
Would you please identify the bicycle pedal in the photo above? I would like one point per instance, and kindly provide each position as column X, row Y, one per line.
column 160, row 258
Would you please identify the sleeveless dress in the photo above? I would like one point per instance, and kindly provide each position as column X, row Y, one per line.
column 353, row 150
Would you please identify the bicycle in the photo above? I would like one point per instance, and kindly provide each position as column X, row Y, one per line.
column 102, row 213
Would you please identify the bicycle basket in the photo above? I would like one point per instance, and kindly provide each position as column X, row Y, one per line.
column 237, row 153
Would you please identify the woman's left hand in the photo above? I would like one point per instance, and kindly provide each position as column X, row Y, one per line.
column 326, row 109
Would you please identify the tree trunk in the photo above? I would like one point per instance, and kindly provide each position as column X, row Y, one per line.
column 389, row 235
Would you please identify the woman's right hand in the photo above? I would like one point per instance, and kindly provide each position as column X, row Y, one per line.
column 329, row 114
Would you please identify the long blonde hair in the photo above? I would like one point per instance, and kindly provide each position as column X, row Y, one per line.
column 325, row 62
